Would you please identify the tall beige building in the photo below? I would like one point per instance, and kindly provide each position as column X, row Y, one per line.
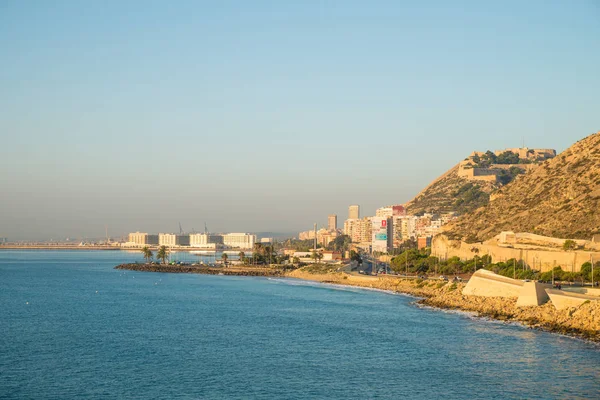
column 359, row 230
column 332, row 222
column 354, row 212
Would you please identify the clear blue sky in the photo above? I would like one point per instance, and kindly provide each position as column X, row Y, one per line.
column 268, row 115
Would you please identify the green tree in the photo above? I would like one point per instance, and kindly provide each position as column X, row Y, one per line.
column 147, row 254
column 242, row 256
column 163, row 254
column 556, row 271
column 412, row 260
column 569, row 245
column 314, row 255
column 507, row 157
column 224, row 257
column 586, row 271
column 355, row 256
column 340, row 243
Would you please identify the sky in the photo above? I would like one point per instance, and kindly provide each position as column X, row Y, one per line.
column 270, row 115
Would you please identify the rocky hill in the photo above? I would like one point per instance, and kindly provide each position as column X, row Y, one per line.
column 467, row 185
column 558, row 198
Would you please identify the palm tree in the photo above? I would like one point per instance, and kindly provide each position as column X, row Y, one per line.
column 162, row 254
column 314, row 255
column 147, row 254
column 224, row 257
column 242, row 256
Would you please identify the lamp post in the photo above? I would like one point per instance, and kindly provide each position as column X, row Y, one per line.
column 592, row 262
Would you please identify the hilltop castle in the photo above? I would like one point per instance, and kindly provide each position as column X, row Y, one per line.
column 489, row 166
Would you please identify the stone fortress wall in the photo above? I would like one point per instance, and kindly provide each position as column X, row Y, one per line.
column 537, row 257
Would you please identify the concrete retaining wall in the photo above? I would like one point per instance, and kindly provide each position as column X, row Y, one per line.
column 488, row 284
column 562, row 299
column 533, row 294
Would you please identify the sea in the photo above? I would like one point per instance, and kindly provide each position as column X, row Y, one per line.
column 71, row 326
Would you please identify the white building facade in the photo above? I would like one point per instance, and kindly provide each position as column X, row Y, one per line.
column 142, row 239
column 239, row 240
column 205, row 240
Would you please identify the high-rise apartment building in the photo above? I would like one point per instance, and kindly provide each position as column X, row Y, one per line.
column 359, row 230
column 332, row 222
column 354, row 212
column 382, row 233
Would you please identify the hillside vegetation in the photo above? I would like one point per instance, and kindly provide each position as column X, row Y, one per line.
column 451, row 193
column 559, row 198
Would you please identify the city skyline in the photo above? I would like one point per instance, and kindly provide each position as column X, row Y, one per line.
column 140, row 116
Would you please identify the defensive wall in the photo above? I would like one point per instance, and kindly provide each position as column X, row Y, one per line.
column 536, row 258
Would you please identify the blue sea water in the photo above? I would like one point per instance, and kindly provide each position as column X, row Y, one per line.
column 71, row 326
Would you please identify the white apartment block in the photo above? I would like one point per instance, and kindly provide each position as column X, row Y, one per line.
column 409, row 227
column 306, row 235
column 142, row 239
column 171, row 239
column 239, row 240
column 205, row 240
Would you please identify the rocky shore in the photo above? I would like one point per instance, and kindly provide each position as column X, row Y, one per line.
column 583, row 321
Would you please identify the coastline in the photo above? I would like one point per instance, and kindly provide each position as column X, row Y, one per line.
column 582, row 322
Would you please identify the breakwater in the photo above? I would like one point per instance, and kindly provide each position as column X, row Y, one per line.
column 202, row 269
